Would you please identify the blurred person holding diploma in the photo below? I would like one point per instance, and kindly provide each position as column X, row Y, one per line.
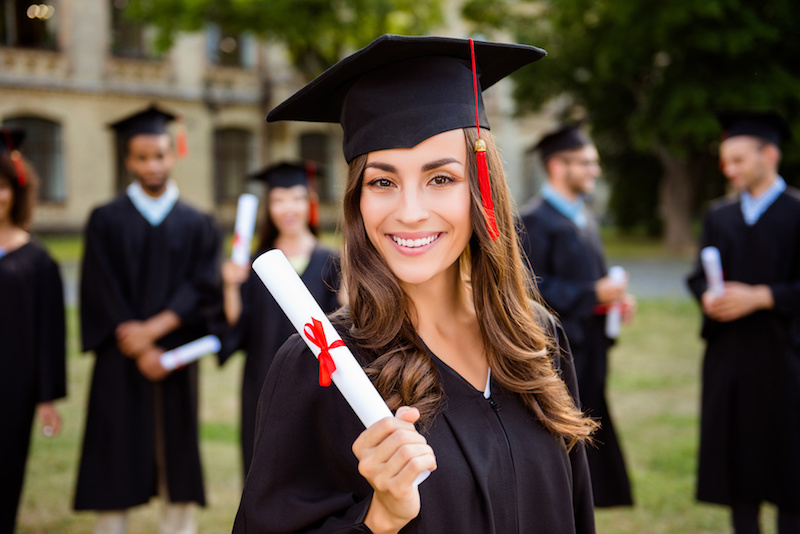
column 750, row 416
column 32, row 347
column 561, row 241
column 258, row 325
column 149, row 283
column 439, row 314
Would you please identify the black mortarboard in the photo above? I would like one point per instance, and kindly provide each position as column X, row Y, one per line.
column 569, row 137
column 11, row 138
column 400, row 90
column 767, row 125
column 150, row 121
column 284, row 174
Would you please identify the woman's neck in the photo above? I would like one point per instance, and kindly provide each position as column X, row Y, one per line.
column 299, row 244
column 12, row 236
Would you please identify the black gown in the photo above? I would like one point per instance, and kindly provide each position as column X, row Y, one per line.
column 263, row 328
column 499, row 471
column 750, row 417
column 567, row 261
column 132, row 271
column 32, row 359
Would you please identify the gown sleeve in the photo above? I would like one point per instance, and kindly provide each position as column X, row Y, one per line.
column 50, row 347
column 696, row 279
column 304, row 476
column 103, row 304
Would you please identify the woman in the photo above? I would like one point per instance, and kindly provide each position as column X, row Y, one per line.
column 258, row 324
column 32, row 359
column 440, row 316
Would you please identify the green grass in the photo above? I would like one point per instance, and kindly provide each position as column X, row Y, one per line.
column 653, row 393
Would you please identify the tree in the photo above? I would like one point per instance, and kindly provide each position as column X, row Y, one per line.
column 651, row 76
column 317, row 33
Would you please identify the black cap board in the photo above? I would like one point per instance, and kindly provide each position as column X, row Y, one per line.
column 400, row 90
column 766, row 125
column 152, row 121
column 285, row 174
column 568, row 137
column 11, row 138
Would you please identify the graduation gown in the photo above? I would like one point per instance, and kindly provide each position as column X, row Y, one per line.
column 499, row 471
column 263, row 328
column 750, row 417
column 32, row 359
column 567, row 261
column 132, row 271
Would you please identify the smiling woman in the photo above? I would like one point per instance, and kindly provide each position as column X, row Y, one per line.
column 439, row 314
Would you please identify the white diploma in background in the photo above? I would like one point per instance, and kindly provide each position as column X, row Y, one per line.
column 246, row 211
column 614, row 317
column 189, row 352
column 303, row 312
column 712, row 265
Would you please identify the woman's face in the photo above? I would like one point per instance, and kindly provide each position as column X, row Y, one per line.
column 415, row 203
column 6, row 199
column 288, row 208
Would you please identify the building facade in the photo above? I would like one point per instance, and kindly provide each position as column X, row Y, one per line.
column 70, row 68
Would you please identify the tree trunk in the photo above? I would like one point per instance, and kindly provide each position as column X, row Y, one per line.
column 676, row 198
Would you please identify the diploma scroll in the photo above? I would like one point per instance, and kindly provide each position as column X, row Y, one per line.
column 712, row 265
column 185, row 354
column 614, row 316
column 322, row 338
column 246, row 211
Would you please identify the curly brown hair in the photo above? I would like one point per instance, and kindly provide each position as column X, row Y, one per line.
column 518, row 344
column 24, row 196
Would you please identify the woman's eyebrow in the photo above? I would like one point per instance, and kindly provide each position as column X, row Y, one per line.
column 382, row 166
column 439, row 163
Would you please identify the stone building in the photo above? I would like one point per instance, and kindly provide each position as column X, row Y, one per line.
column 69, row 68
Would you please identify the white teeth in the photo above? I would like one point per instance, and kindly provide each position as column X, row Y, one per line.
column 414, row 243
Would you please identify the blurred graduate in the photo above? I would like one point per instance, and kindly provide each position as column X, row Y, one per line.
column 561, row 241
column 439, row 314
column 750, row 419
column 259, row 326
column 32, row 348
column 149, row 283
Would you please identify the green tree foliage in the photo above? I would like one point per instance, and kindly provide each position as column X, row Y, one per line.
column 651, row 75
column 317, row 33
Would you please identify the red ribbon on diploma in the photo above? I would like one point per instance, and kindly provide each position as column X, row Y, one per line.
column 316, row 334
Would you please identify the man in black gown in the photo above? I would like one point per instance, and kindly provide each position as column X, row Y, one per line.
column 750, row 420
column 149, row 283
column 561, row 241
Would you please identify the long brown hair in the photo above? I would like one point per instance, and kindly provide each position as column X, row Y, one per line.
column 518, row 345
column 24, row 196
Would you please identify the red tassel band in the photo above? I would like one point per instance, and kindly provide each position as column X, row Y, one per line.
column 486, row 189
column 181, row 141
column 16, row 159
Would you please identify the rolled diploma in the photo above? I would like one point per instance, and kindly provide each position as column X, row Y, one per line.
column 712, row 265
column 246, row 211
column 299, row 306
column 614, row 316
column 189, row 352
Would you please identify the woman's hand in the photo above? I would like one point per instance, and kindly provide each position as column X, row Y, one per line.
column 49, row 419
column 391, row 455
column 233, row 276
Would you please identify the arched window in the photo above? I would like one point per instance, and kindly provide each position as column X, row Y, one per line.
column 233, row 154
column 42, row 146
column 316, row 147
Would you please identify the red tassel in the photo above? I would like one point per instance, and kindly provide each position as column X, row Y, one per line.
column 181, row 142
column 313, row 199
column 16, row 158
column 486, row 189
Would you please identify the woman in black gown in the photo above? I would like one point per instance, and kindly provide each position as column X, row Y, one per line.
column 258, row 324
column 32, row 349
column 440, row 315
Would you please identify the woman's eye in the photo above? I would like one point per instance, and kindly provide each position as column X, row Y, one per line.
column 380, row 182
column 441, row 180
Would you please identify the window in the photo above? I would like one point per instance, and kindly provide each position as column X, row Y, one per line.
column 228, row 49
column 316, row 147
column 42, row 147
column 233, row 150
column 27, row 24
column 129, row 38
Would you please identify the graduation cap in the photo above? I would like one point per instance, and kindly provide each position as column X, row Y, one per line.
column 766, row 125
column 568, row 137
column 10, row 140
column 290, row 174
column 151, row 121
column 399, row 91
